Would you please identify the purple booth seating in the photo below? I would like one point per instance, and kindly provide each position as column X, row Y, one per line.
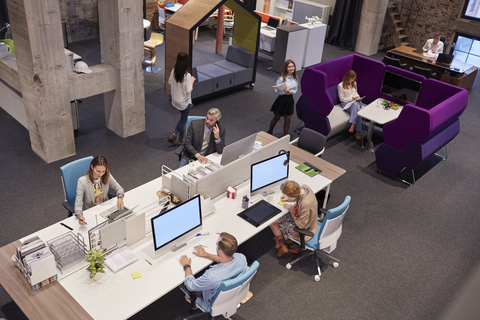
column 319, row 107
column 422, row 129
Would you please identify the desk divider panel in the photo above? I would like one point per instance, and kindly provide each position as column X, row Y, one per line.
column 217, row 182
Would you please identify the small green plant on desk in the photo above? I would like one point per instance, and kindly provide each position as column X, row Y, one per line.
column 96, row 261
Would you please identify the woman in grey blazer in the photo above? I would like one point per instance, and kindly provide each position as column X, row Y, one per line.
column 93, row 187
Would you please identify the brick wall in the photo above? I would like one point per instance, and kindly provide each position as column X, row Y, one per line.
column 81, row 18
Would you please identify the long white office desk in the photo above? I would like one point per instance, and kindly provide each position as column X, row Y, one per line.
column 118, row 295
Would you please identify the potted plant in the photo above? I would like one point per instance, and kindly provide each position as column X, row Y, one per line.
column 94, row 257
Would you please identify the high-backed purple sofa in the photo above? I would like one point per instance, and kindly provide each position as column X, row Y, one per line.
column 418, row 132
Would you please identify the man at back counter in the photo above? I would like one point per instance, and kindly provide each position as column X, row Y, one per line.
column 433, row 45
column 204, row 138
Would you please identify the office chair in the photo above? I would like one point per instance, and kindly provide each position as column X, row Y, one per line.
column 155, row 40
column 228, row 297
column 162, row 15
column 423, row 71
column 9, row 42
column 181, row 149
column 311, row 141
column 393, row 62
column 70, row 174
column 324, row 241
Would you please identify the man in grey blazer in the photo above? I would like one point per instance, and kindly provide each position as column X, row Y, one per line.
column 204, row 138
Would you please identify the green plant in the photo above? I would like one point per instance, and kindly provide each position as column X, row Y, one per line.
column 96, row 261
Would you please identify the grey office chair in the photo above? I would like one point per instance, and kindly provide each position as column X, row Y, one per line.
column 393, row 62
column 311, row 141
column 423, row 71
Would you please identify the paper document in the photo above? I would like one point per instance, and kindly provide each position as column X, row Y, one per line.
column 119, row 259
column 282, row 86
column 348, row 105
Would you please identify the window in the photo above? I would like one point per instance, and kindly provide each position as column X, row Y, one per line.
column 467, row 49
column 471, row 10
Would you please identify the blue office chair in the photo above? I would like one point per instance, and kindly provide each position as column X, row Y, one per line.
column 231, row 292
column 70, row 174
column 324, row 241
column 181, row 149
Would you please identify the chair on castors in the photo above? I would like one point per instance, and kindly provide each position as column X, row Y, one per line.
column 311, row 141
column 181, row 149
column 324, row 241
column 70, row 174
column 393, row 62
column 423, row 71
column 9, row 42
column 229, row 295
column 156, row 39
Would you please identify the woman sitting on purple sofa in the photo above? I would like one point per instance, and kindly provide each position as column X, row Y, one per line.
column 347, row 92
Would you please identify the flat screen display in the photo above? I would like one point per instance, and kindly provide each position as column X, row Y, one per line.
column 176, row 222
column 269, row 171
column 400, row 87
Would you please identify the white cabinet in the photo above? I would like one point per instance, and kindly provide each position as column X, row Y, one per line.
column 314, row 44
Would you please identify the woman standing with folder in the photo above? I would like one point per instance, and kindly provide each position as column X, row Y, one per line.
column 286, row 87
column 93, row 187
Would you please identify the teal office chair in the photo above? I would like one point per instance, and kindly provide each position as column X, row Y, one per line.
column 228, row 297
column 181, row 149
column 70, row 174
column 324, row 241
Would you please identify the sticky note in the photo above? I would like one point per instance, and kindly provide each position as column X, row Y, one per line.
column 281, row 203
column 136, row 275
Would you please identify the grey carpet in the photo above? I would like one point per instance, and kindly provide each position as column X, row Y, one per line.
column 405, row 252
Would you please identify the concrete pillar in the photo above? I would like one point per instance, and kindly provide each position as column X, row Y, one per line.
column 370, row 28
column 121, row 42
column 37, row 32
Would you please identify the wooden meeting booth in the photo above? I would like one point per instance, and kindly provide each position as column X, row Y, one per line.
column 180, row 31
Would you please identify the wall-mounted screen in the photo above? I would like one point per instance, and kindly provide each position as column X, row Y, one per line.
column 400, row 87
column 471, row 10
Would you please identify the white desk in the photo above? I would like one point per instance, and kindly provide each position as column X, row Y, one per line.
column 267, row 38
column 119, row 296
column 376, row 113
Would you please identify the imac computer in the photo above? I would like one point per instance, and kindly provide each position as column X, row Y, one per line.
column 268, row 172
column 173, row 228
column 238, row 149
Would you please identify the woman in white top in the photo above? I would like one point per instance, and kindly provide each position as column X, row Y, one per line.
column 181, row 86
column 347, row 92
column 93, row 187
column 284, row 104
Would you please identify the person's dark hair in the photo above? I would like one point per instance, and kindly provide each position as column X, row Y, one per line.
column 227, row 243
column 346, row 78
column 285, row 70
column 182, row 66
column 99, row 161
column 437, row 36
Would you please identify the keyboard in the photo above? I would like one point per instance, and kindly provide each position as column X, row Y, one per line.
column 268, row 28
column 115, row 215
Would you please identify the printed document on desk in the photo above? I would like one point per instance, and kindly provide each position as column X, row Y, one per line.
column 119, row 259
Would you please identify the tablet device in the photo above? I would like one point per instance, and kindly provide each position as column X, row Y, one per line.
column 259, row 213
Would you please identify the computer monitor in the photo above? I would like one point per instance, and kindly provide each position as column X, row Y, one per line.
column 172, row 228
column 400, row 87
column 272, row 22
column 238, row 149
column 266, row 173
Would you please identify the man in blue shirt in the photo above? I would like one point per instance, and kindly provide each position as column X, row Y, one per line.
column 229, row 265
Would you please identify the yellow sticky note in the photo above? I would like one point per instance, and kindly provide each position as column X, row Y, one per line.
column 136, row 275
column 281, row 203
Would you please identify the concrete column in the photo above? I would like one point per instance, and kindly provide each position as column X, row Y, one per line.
column 121, row 41
column 37, row 32
column 370, row 28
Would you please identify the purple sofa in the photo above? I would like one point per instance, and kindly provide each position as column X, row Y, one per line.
column 418, row 132
column 422, row 129
column 318, row 106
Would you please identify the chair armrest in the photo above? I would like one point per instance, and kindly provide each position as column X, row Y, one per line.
column 320, row 153
column 303, row 233
column 294, row 141
column 69, row 207
column 180, row 150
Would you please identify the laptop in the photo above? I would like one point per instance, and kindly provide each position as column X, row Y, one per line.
column 114, row 214
column 238, row 149
column 445, row 58
column 272, row 24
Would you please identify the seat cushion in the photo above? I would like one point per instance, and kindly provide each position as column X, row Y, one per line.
column 203, row 85
column 222, row 78
column 241, row 74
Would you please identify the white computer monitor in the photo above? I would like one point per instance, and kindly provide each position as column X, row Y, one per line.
column 173, row 228
column 238, row 149
column 265, row 174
